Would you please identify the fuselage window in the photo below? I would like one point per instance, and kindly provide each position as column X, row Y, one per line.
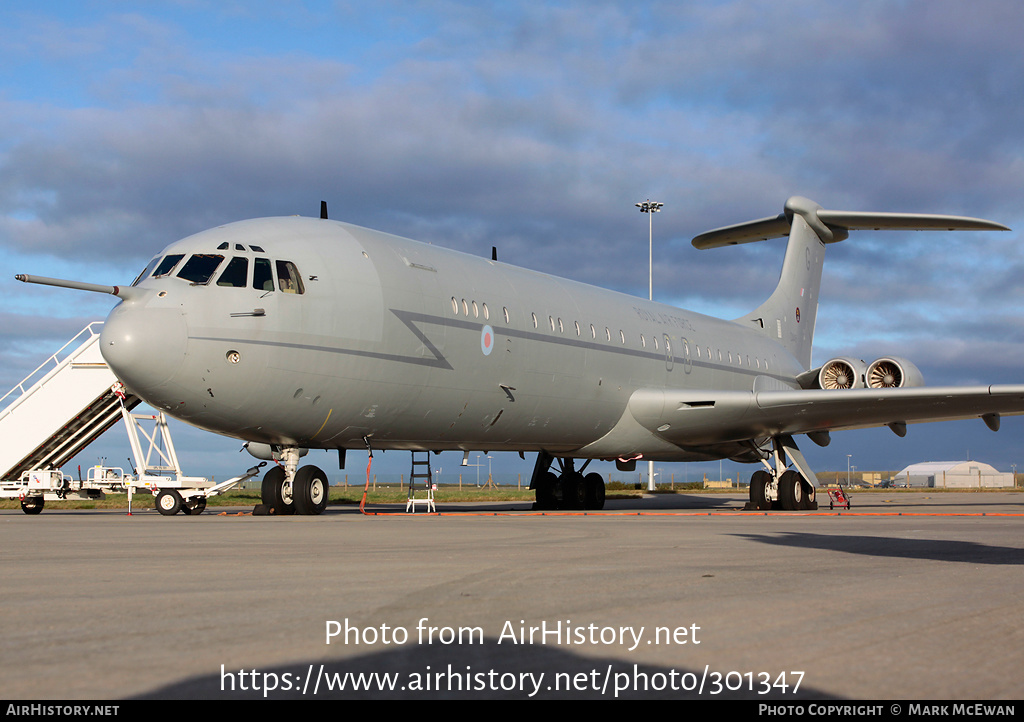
column 593, row 332
column 577, row 324
column 476, row 310
column 656, row 343
column 262, row 275
column 607, row 334
column 643, row 341
column 167, row 265
column 504, row 310
column 487, row 314
column 455, row 306
column 145, row 273
column 622, row 336
column 465, row 308
column 560, row 329
column 236, row 274
column 534, row 319
column 200, row 267
column 288, row 278
column 551, row 320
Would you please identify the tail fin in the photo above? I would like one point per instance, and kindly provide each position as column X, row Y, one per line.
column 789, row 313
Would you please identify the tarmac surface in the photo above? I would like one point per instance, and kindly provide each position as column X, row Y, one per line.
column 910, row 595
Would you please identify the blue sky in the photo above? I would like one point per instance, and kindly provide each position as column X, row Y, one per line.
column 535, row 127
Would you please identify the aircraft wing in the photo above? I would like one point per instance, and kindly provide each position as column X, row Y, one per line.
column 693, row 417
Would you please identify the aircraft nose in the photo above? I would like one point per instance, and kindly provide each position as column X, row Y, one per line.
column 144, row 347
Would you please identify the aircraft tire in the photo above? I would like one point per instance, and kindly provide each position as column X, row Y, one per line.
column 759, row 483
column 32, row 504
column 194, row 506
column 546, row 491
column 594, row 486
column 574, row 491
column 791, row 491
column 809, row 502
column 270, row 492
column 311, row 488
column 168, row 502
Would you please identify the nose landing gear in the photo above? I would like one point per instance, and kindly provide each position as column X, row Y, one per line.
column 287, row 490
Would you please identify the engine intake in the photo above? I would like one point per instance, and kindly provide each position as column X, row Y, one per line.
column 841, row 373
column 892, row 372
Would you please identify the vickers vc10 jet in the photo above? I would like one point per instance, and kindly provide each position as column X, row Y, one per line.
column 300, row 333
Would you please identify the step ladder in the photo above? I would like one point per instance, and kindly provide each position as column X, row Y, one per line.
column 420, row 471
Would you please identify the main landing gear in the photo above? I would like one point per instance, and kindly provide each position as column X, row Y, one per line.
column 568, row 490
column 288, row 490
column 780, row 487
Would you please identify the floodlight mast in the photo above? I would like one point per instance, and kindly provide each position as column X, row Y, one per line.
column 650, row 208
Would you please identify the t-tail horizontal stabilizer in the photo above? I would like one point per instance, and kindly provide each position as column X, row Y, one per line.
column 789, row 314
column 832, row 226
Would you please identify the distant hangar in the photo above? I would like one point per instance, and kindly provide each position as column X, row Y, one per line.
column 953, row 475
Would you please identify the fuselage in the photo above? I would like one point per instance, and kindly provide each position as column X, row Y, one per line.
column 314, row 333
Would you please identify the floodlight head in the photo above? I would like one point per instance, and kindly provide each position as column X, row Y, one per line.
column 649, row 206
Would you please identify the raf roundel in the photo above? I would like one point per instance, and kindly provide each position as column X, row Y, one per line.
column 487, row 340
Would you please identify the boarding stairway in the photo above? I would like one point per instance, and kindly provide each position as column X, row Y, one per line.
column 60, row 408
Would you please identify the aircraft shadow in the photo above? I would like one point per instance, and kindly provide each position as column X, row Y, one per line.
column 484, row 670
column 943, row 550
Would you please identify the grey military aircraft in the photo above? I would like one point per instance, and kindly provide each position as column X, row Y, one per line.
column 307, row 333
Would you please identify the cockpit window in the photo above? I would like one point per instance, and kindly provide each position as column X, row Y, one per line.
column 167, row 265
column 262, row 275
column 147, row 271
column 235, row 274
column 200, row 267
column 288, row 279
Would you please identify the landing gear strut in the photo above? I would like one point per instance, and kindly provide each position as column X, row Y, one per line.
column 781, row 487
